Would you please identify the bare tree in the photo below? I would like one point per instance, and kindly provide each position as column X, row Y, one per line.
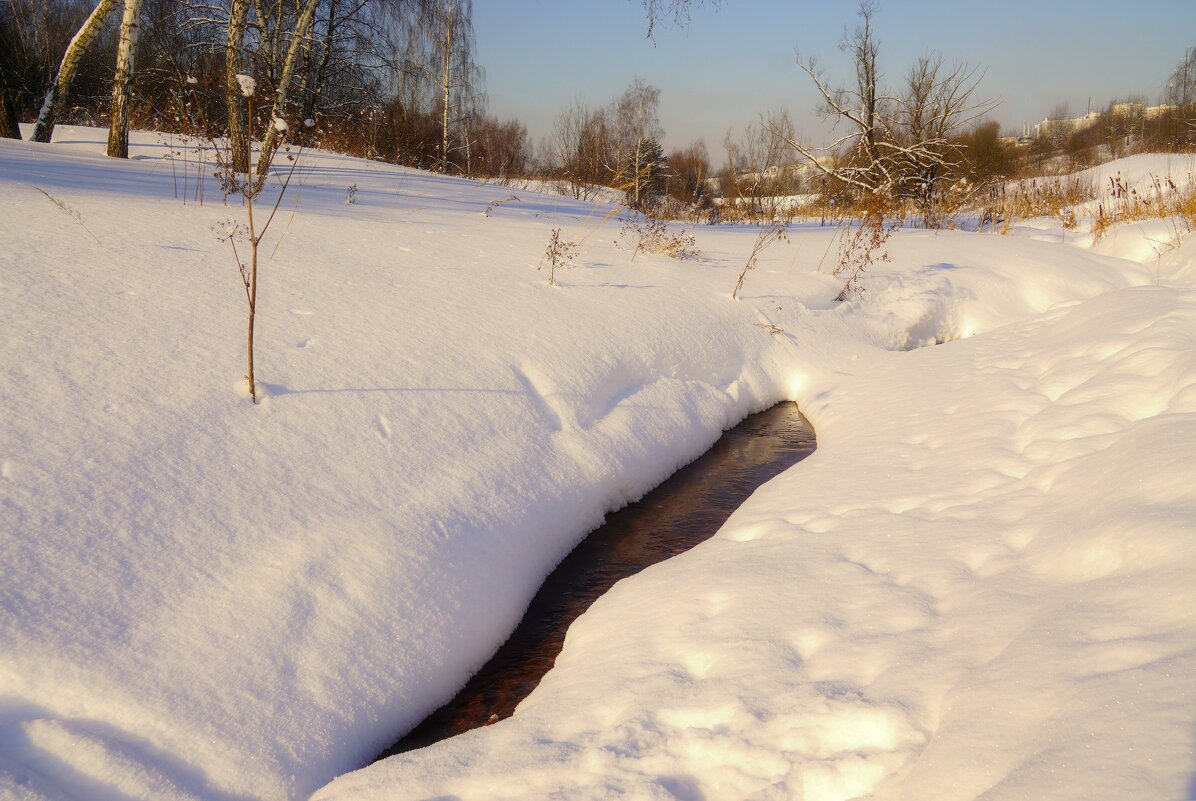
column 1181, row 94
column 688, row 171
column 759, row 167
column 56, row 97
column 449, row 22
column 861, row 109
column 938, row 102
column 502, row 148
column 1055, row 128
column 890, row 143
column 1181, row 85
column 9, row 41
column 1120, row 121
column 122, row 83
column 580, row 141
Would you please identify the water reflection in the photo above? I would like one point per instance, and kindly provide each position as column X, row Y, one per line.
column 687, row 508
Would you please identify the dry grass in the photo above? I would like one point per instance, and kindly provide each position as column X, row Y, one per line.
column 651, row 235
column 1165, row 199
column 1035, row 197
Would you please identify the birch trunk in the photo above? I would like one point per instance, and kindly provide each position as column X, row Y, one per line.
column 122, row 84
column 238, row 133
column 447, row 86
column 302, row 25
column 313, row 85
column 60, row 89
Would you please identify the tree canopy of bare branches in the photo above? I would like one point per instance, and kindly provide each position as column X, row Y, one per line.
column 890, row 141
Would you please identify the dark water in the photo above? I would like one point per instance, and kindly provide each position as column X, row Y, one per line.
column 687, row 508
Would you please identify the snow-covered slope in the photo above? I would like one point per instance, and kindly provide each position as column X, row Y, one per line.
column 975, row 586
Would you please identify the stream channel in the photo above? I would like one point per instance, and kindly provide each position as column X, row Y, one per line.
column 689, row 507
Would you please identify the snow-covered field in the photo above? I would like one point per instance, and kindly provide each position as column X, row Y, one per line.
column 979, row 587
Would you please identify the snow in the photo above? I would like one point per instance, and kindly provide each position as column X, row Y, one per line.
column 247, row 84
column 1140, row 171
column 977, row 588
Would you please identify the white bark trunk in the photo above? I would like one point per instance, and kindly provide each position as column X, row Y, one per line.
column 238, row 134
column 302, row 26
column 122, row 84
column 447, row 86
column 60, row 89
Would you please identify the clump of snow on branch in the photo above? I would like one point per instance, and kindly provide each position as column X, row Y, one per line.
column 247, row 83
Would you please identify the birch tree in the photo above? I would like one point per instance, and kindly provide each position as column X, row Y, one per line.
column 122, row 83
column 636, row 122
column 238, row 135
column 449, row 22
column 459, row 75
column 278, row 110
column 55, row 99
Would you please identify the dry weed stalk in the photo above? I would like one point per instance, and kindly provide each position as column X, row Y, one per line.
column 769, row 235
column 249, row 189
column 863, row 245
column 68, row 211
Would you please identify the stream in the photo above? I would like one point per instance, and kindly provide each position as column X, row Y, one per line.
column 689, row 507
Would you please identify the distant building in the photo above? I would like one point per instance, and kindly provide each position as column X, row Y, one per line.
column 1069, row 126
column 1065, row 127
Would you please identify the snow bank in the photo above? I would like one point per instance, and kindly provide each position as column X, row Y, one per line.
column 979, row 587
column 1140, row 171
column 207, row 599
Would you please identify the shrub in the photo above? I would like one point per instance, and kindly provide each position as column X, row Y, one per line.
column 559, row 253
column 653, row 236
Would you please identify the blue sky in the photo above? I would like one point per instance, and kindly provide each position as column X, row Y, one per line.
column 737, row 60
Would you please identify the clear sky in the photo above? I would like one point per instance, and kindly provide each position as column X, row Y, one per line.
column 736, row 60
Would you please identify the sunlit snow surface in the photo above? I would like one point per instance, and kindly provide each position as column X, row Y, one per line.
column 979, row 587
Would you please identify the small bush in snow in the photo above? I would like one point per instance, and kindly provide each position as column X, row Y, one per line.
column 653, row 236
column 559, row 253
